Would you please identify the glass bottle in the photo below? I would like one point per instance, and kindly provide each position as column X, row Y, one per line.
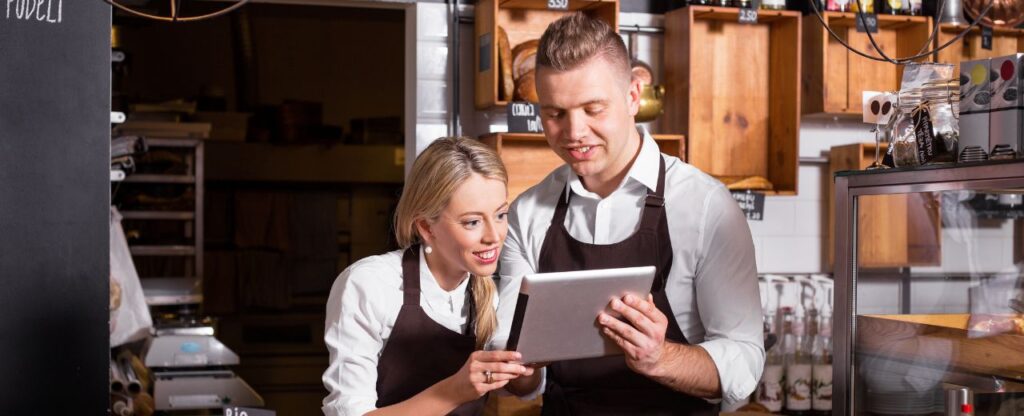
column 798, row 369
column 770, row 392
column 773, row 4
column 821, row 369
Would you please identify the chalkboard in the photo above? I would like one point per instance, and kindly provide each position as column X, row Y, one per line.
column 54, row 206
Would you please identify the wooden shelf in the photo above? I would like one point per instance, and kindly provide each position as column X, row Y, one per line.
column 893, row 230
column 734, row 91
column 941, row 340
column 835, row 77
column 522, row 20
column 529, row 160
column 1004, row 42
column 261, row 162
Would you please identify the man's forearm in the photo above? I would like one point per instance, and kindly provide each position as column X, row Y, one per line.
column 688, row 369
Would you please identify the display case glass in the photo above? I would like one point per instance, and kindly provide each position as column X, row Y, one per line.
column 941, row 337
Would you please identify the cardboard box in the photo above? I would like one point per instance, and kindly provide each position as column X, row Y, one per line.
column 1006, row 120
column 975, row 104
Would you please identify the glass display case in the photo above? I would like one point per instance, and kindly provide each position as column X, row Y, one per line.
column 940, row 330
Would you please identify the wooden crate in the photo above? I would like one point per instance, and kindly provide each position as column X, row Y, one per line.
column 522, row 20
column 734, row 91
column 529, row 160
column 1004, row 42
column 893, row 230
column 835, row 77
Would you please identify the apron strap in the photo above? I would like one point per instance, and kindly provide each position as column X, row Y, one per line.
column 471, row 300
column 411, row 276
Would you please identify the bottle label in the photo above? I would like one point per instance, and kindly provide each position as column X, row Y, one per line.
column 821, row 398
column 798, row 387
column 769, row 393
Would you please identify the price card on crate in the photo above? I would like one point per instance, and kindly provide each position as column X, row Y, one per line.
column 867, row 22
column 558, row 4
column 986, row 38
column 751, row 203
column 523, row 117
column 748, row 16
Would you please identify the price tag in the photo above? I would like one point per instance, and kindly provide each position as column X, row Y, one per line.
column 986, row 38
column 523, row 117
column 867, row 22
column 485, row 52
column 748, row 16
column 247, row 411
column 558, row 4
column 751, row 203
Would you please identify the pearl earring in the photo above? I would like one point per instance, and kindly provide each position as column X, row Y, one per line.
column 428, row 250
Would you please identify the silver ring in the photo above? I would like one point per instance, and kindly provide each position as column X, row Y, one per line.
column 487, row 374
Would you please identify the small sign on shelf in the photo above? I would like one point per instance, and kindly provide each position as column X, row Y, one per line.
column 748, row 16
column 986, row 38
column 558, row 4
column 524, row 117
column 751, row 203
column 867, row 22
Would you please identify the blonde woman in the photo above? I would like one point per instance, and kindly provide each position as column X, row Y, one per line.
column 407, row 330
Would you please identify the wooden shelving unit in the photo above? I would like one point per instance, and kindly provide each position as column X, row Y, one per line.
column 522, row 20
column 262, row 162
column 894, row 230
column 529, row 160
column 734, row 91
column 835, row 77
column 1004, row 42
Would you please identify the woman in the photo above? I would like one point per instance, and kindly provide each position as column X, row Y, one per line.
column 406, row 330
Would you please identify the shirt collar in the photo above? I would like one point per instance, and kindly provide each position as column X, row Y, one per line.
column 429, row 286
column 644, row 170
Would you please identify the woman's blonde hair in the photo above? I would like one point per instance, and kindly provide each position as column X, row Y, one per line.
column 435, row 175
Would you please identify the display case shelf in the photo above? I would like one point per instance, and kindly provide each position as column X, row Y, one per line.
column 836, row 77
column 734, row 91
column 159, row 215
column 529, row 160
column 522, row 20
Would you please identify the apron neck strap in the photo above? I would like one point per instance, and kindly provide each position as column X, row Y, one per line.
column 411, row 276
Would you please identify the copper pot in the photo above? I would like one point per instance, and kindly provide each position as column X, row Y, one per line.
column 651, row 103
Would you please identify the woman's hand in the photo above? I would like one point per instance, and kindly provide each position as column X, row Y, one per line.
column 485, row 371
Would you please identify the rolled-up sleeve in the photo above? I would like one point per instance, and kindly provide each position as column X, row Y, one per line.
column 727, row 297
column 352, row 333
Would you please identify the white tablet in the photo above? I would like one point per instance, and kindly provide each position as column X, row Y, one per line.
column 556, row 313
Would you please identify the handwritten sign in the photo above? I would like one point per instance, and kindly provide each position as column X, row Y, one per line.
column 46, row 11
column 558, row 4
column 748, row 16
column 524, row 117
column 867, row 22
column 751, row 203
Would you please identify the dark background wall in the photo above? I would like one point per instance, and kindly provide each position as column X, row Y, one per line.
column 54, row 198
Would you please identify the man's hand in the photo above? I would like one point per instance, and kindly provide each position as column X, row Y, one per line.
column 643, row 337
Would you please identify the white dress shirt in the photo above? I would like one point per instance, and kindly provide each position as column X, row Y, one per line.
column 712, row 285
column 361, row 312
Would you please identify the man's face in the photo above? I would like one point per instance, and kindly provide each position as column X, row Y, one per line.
column 588, row 117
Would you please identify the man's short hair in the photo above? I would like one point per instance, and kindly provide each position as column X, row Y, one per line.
column 574, row 39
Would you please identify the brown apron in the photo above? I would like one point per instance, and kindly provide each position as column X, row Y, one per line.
column 606, row 386
column 421, row 352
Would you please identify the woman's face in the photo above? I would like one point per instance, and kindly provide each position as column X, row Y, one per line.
column 469, row 233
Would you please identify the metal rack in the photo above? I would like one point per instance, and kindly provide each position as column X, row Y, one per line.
column 162, row 291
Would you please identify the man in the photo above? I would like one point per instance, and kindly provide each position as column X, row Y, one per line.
column 619, row 202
